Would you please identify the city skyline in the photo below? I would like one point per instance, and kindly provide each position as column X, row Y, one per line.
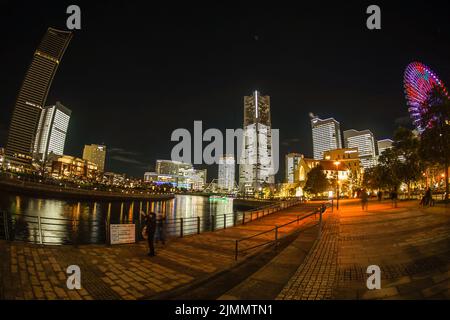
column 290, row 95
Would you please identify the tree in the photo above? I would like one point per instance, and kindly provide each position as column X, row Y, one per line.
column 316, row 181
column 410, row 166
column 435, row 139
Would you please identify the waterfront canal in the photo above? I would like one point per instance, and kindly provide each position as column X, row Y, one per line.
column 64, row 220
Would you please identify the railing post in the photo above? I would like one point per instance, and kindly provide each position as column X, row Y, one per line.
column 6, row 224
column 40, row 230
column 198, row 225
column 276, row 237
column 236, row 250
column 224, row 221
column 243, row 217
column 320, row 224
column 181, row 227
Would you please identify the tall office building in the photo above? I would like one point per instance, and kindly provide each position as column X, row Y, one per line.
column 97, row 154
column 292, row 165
column 226, row 172
column 33, row 95
column 52, row 130
column 326, row 135
column 384, row 145
column 364, row 141
column 256, row 166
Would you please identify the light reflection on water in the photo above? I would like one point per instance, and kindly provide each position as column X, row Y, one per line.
column 91, row 216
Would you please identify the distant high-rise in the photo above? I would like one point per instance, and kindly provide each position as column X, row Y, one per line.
column 33, row 95
column 226, row 172
column 326, row 136
column 51, row 132
column 97, row 154
column 384, row 145
column 172, row 167
column 292, row 165
column 364, row 141
column 256, row 166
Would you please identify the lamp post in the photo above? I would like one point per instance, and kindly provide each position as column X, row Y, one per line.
column 337, row 163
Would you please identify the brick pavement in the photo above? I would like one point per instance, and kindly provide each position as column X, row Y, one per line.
column 125, row 271
column 410, row 244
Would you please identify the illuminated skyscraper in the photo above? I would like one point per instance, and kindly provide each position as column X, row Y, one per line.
column 97, row 154
column 256, row 166
column 292, row 165
column 326, row 136
column 51, row 132
column 226, row 172
column 365, row 142
column 33, row 95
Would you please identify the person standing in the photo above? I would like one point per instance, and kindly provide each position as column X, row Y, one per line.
column 364, row 200
column 394, row 198
column 150, row 223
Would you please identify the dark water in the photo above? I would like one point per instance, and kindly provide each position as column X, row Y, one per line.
column 66, row 221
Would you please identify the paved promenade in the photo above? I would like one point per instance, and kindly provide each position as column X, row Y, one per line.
column 411, row 245
column 125, row 271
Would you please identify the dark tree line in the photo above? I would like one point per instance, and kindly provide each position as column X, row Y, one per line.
column 412, row 153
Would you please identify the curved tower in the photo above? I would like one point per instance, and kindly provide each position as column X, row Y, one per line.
column 33, row 95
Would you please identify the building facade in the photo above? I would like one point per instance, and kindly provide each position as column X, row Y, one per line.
column 97, row 154
column 178, row 174
column 326, row 135
column 364, row 141
column 226, row 173
column 384, row 145
column 292, row 163
column 256, row 163
column 33, row 95
column 52, row 131
column 70, row 167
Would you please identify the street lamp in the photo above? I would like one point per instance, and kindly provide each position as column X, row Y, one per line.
column 337, row 163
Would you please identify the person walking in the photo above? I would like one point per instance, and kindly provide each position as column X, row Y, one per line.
column 380, row 195
column 150, row 224
column 394, row 198
column 364, row 200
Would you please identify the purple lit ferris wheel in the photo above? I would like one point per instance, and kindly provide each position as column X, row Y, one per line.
column 419, row 80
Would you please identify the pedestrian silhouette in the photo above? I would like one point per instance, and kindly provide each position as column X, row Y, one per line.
column 364, row 200
column 150, row 224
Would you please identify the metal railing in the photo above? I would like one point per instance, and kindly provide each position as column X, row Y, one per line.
column 272, row 236
column 46, row 230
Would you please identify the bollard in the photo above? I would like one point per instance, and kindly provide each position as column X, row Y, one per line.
column 181, row 227
column 212, row 222
column 198, row 225
column 234, row 218
column 224, row 221
column 243, row 217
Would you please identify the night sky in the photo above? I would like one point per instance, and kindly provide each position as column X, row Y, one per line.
column 137, row 71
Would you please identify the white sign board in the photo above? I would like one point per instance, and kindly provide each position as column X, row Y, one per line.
column 122, row 233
